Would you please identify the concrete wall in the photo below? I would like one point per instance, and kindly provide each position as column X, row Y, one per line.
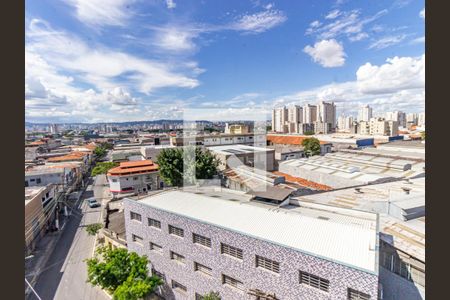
column 139, row 182
column 285, row 284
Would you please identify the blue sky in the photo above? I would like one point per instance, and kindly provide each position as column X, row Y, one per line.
column 121, row 60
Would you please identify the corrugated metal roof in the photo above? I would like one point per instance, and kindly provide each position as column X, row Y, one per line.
column 347, row 243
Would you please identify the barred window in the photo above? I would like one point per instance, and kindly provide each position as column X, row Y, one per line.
column 230, row 250
column 232, row 282
column 267, row 264
column 156, row 247
column 199, row 239
column 137, row 239
column 176, row 231
column 159, row 274
column 356, row 295
column 135, row 216
column 177, row 257
column 154, row 223
column 179, row 287
column 202, row 268
column 314, row 281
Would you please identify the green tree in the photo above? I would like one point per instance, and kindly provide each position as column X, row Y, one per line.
column 172, row 164
column 212, row 296
column 308, row 132
column 100, row 152
column 123, row 274
column 103, row 167
column 312, row 146
column 92, row 229
column 422, row 135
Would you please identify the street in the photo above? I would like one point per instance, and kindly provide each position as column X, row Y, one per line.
column 65, row 273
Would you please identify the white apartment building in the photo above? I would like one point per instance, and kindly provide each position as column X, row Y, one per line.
column 398, row 116
column 421, row 119
column 412, row 118
column 379, row 126
column 326, row 113
column 309, row 113
column 365, row 113
column 345, row 123
column 279, row 118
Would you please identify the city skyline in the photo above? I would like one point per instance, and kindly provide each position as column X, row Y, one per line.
column 137, row 61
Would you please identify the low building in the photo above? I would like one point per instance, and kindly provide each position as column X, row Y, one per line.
column 207, row 140
column 235, row 155
column 378, row 126
column 237, row 129
column 63, row 174
column 124, row 155
column 224, row 241
column 401, row 209
column 114, row 229
column 134, row 177
column 152, row 152
column 287, row 152
column 347, row 169
column 295, row 141
column 40, row 213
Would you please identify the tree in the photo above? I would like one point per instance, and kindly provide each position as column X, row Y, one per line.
column 123, row 274
column 312, row 146
column 308, row 132
column 103, row 167
column 92, row 229
column 422, row 135
column 172, row 164
column 100, row 152
column 212, row 296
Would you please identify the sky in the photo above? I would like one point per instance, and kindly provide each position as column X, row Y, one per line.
column 136, row 60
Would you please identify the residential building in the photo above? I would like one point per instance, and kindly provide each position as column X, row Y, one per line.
column 134, row 177
column 309, row 113
column 279, row 119
column 397, row 116
column 234, row 155
column 63, row 174
column 379, row 126
column 295, row 118
column 114, row 228
column 326, row 113
column 421, row 119
column 365, row 113
column 412, row 119
column 345, row 123
column 207, row 140
column 237, row 129
column 323, row 128
column 243, row 248
column 40, row 213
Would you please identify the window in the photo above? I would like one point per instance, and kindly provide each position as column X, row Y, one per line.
column 135, row 178
column 356, row 295
column 135, row 216
column 231, row 251
column 32, row 180
column 177, row 257
column 178, row 287
column 26, row 183
column 114, row 180
column 199, row 239
column 127, row 189
column 156, row 247
column 267, row 264
column 176, row 231
column 154, row 223
column 232, row 282
column 47, row 194
column 159, row 274
column 202, row 269
column 137, row 239
column 314, row 281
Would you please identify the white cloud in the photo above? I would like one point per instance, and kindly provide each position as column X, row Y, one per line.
column 387, row 41
column 101, row 12
column 422, row 13
column 71, row 54
column 396, row 74
column 170, row 4
column 328, row 53
column 343, row 23
column 419, row 40
column 259, row 22
column 333, row 14
column 176, row 39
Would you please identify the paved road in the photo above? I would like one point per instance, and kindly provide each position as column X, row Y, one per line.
column 64, row 276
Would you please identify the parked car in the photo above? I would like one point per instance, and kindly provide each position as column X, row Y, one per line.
column 92, row 202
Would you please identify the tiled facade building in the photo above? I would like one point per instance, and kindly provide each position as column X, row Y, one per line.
column 201, row 243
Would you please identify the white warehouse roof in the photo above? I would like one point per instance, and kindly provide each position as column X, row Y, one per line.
column 345, row 236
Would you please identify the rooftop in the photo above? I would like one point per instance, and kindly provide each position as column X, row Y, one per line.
column 76, row 155
column 289, row 139
column 345, row 236
column 237, row 149
column 32, row 191
column 133, row 167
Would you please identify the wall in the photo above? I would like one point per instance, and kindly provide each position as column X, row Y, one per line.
column 396, row 287
column 137, row 184
column 285, row 285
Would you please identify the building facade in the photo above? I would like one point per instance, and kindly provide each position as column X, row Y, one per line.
column 195, row 256
column 134, row 177
column 365, row 113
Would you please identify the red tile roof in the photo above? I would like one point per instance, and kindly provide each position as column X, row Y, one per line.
column 76, row 155
column 289, row 139
column 304, row 182
column 134, row 167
